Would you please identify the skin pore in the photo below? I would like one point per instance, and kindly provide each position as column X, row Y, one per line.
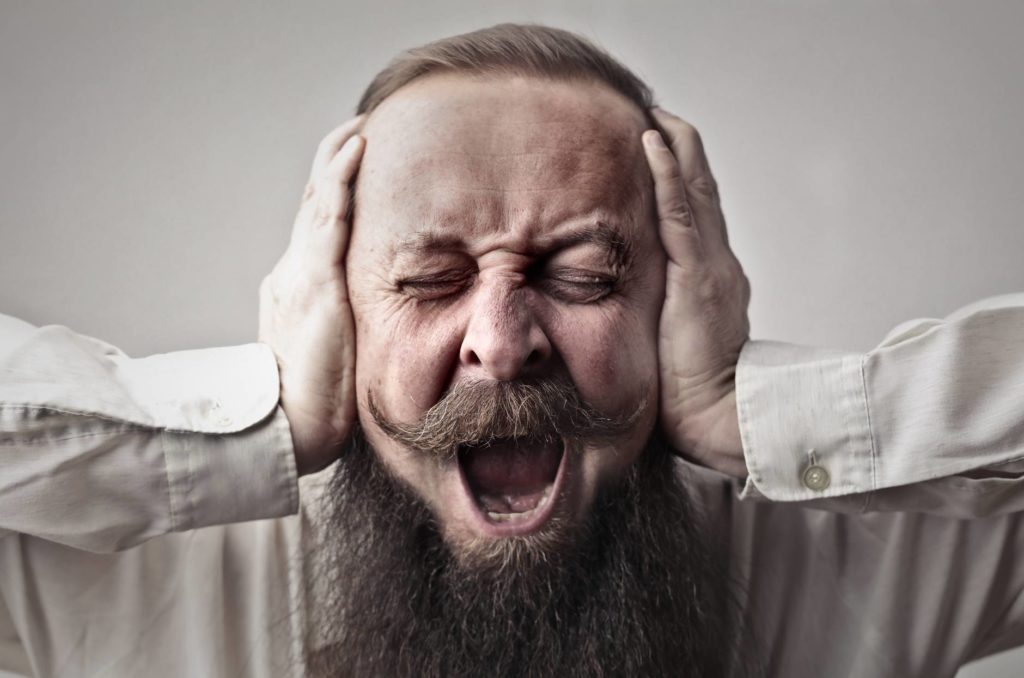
column 505, row 233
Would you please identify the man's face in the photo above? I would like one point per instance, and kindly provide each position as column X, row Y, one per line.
column 504, row 233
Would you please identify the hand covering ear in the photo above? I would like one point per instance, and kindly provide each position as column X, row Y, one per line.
column 704, row 319
column 305, row 315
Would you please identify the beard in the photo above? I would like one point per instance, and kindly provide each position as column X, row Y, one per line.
column 640, row 588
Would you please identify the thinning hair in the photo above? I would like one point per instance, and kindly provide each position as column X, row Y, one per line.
column 509, row 49
column 529, row 50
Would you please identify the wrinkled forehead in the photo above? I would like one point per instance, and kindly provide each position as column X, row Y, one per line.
column 502, row 152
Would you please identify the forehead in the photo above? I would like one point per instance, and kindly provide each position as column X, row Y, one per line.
column 481, row 156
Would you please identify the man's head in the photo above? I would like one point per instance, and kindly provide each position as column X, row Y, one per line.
column 504, row 237
column 505, row 508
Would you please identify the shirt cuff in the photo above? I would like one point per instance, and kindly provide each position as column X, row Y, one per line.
column 221, row 479
column 804, row 422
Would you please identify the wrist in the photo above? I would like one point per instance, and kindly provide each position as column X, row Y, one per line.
column 710, row 435
column 315, row 446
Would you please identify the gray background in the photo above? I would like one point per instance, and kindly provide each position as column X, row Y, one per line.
column 871, row 156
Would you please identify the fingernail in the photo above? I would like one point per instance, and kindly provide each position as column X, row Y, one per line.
column 653, row 138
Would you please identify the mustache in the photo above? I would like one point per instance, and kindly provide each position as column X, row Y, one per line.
column 479, row 412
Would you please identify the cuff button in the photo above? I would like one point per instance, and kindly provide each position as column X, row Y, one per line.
column 816, row 478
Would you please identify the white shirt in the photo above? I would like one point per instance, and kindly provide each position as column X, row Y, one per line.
column 123, row 484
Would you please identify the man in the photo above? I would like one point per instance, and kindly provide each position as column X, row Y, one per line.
column 485, row 364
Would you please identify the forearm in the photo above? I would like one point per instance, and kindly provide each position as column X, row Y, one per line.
column 100, row 452
column 938, row 402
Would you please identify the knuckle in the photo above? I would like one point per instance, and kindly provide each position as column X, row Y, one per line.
column 722, row 286
column 321, row 215
column 309, row 191
column 325, row 214
column 705, row 186
column 741, row 275
column 735, row 284
column 737, row 288
column 709, row 289
column 294, row 294
column 677, row 210
column 270, row 293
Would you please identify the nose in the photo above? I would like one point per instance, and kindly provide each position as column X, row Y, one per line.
column 503, row 338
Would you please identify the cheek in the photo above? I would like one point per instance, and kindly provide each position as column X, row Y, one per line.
column 610, row 352
column 405, row 357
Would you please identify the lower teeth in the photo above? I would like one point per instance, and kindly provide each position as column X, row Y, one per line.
column 503, row 517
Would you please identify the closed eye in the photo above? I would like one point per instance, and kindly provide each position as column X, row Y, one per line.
column 435, row 286
column 578, row 287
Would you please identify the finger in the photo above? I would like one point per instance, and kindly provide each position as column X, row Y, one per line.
column 329, row 228
column 329, row 147
column 679, row 235
column 701, row 187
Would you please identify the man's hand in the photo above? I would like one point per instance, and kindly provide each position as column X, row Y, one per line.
column 704, row 321
column 304, row 308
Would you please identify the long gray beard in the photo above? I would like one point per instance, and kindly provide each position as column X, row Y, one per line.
column 641, row 593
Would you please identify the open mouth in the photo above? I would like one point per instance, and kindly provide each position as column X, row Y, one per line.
column 514, row 481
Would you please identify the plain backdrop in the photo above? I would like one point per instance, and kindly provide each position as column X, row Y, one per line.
column 152, row 155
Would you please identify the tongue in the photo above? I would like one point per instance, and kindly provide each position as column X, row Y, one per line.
column 513, row 468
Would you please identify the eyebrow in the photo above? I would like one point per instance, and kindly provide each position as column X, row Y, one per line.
column 619, row 247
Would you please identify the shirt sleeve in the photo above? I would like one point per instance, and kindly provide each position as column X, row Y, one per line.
column 931, row 420
column 100, row 451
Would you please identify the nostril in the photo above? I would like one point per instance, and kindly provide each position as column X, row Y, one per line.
column 534, row 357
